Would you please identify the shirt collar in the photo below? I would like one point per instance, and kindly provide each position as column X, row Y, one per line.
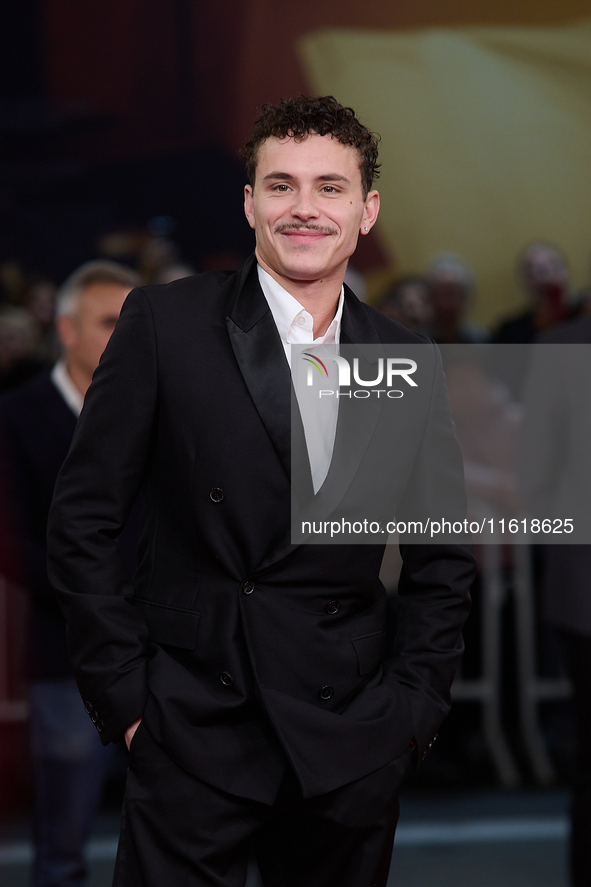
column 63, row 382
column 287, row 312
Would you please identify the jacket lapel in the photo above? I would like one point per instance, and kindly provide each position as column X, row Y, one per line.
column 261, row 357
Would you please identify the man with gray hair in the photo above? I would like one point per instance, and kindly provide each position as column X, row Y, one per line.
column 37, row 422
column 87, row 309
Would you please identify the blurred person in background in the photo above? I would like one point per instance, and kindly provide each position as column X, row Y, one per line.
column 581, row 302
column 488, row 425
column 451, row 285
column 555, row 459
column 19, row 343
column 543, row 273
column 408, row 302
column 36, row 426
column 175, row 271
column 39, row 302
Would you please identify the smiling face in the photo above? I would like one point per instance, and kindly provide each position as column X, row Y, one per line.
column 307, row 209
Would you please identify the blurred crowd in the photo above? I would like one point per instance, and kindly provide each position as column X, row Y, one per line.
column 52, row 334
column 28, row 338
column 438, row 301
column 435, row 302
column 524, row 426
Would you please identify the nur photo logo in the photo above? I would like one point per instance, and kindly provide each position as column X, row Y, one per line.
column 388, row 372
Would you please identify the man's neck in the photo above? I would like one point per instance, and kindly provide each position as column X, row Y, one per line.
column 66, row 387
column 80, row 379
column 319, row 297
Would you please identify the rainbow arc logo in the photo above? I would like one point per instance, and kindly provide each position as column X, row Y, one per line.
column 316, row 362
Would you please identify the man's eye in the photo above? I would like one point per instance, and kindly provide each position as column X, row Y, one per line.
column 282, row 188
column 329, row 189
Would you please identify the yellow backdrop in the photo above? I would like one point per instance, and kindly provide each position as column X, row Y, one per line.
column 486, row 142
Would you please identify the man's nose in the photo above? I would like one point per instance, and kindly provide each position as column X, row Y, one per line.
column 305, row 206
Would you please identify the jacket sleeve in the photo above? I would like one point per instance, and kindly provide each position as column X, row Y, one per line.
column 95, row 491
column 435, row 581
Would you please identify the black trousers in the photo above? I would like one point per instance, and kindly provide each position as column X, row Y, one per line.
column 177, row 830
column 578, row 654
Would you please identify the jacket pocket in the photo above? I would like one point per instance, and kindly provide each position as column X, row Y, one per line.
column 370, row 651
column 169, row 626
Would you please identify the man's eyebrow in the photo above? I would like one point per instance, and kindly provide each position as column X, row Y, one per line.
column 273, row 176
column 333, row 177
column 326, row 177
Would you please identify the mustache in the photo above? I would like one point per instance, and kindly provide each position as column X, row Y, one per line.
column 299, row 226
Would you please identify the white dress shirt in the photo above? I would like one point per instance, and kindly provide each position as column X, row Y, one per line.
column 296, row 327
column 63, row 382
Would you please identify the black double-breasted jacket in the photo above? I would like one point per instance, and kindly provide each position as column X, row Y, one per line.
column 227, row 640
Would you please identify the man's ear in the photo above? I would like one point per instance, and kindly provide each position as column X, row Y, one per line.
column 370, row 212
column 65, row 327
column 248, row 205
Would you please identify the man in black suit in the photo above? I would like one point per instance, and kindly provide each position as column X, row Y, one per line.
column 37, row 421
column 556, row 483
column 247, row 673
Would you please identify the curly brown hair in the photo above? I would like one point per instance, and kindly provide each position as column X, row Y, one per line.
column 323, row 115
